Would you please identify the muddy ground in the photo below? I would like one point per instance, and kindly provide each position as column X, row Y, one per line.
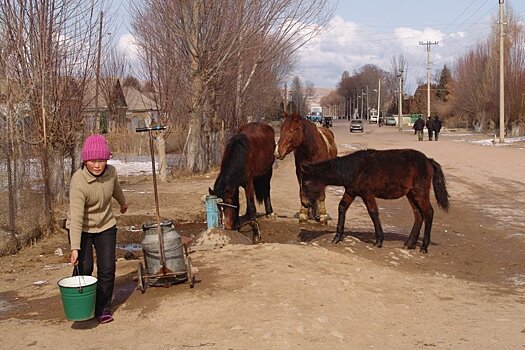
column 295, row 289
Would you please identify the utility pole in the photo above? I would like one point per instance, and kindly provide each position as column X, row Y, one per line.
column 378, row 99
column 367, row 109
column 97, row 78
column 429, row 44
column 400, row 103
column 362, row 103
column 501, row 75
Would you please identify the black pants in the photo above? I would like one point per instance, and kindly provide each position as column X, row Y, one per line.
column 105, row 245
column 430, row 132
column 436, row 135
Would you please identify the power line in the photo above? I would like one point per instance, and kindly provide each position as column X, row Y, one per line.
column 472, row 2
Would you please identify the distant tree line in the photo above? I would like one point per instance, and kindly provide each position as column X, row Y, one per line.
column 465, row 95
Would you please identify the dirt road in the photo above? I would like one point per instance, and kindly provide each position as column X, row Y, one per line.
column 296, row 290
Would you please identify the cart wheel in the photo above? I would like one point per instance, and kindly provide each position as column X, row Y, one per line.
column 142, row 283
column 191, row 278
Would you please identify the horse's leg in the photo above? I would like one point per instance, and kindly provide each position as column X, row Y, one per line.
column 428, row 216
column 251, row 210
column 373, row 211
column 342, row 208
column 418, row 221
column 268, row 208
column 303, row 211
column 321, row 207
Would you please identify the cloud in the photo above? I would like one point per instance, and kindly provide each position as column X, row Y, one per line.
column 127, row 45
column 347, row 46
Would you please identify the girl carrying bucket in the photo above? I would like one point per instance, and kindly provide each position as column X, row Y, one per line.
column 91, row 222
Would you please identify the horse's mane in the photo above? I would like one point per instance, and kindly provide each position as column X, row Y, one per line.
column 309, row 131
column 232, row 166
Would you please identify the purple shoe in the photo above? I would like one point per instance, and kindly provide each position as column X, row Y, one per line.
column 105, row 318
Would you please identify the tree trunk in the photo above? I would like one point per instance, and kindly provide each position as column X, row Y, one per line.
column 56, row 176
column 46, row 184
column 195, row 149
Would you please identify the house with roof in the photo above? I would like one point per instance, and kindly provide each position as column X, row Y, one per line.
column 117, row 107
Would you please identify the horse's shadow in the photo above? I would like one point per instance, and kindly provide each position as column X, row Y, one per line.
column 308, row 235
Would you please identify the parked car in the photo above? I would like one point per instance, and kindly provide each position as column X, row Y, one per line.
column 356, row 125
column 390, row 121
column 327, row 122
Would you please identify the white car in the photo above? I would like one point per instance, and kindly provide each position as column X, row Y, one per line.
column 356, row 125
column 373, row 119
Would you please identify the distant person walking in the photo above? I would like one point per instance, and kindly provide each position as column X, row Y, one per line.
column 418, row 128
column 437, row 127
column 430, row 127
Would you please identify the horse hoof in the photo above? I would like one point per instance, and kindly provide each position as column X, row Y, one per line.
column 423, row 250
column 378, row 244
column 337, row 239
column 271, row 216
column 303, row 218
column 409, row 246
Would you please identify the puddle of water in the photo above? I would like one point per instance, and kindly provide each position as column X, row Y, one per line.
column 132, row 247
column 5, row 306
column 8, row 300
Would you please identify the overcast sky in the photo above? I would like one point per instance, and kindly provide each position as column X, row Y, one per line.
column 373, row 31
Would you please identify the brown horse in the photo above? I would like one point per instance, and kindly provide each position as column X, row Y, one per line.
column 309, row 144
column 247, row 162
column 387, row 174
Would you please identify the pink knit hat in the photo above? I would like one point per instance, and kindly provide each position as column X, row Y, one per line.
column 95, row 148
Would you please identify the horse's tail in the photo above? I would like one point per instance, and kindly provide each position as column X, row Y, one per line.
column 261, row 186
column 440, row 186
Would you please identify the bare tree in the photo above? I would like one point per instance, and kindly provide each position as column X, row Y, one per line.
column 52, row 50
column 472, row 88
column 399, row 68
column 220, row 48
column 476, row 80
column 333, row 103
column 300, row 95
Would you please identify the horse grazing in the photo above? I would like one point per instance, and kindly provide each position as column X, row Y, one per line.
column 387, row 174
column 248, row 162
column 309, row 144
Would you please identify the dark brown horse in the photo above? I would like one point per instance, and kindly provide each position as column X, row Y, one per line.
column 388, row 174
column 309, row 144
column 247, row 162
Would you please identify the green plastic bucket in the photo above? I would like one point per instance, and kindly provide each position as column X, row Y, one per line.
column 78, row 297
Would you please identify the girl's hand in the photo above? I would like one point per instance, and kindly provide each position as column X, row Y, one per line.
column 123, row 208
column 74, row 256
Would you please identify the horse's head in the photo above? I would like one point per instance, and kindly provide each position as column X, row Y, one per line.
column 291, row 135
column 228, row 206
column 311, row 189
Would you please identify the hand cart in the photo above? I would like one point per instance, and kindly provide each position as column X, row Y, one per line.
column 157, row 269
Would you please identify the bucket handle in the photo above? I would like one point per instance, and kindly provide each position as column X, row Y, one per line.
column 80, row 289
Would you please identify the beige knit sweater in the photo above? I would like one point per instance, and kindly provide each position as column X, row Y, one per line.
column 90, row 202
